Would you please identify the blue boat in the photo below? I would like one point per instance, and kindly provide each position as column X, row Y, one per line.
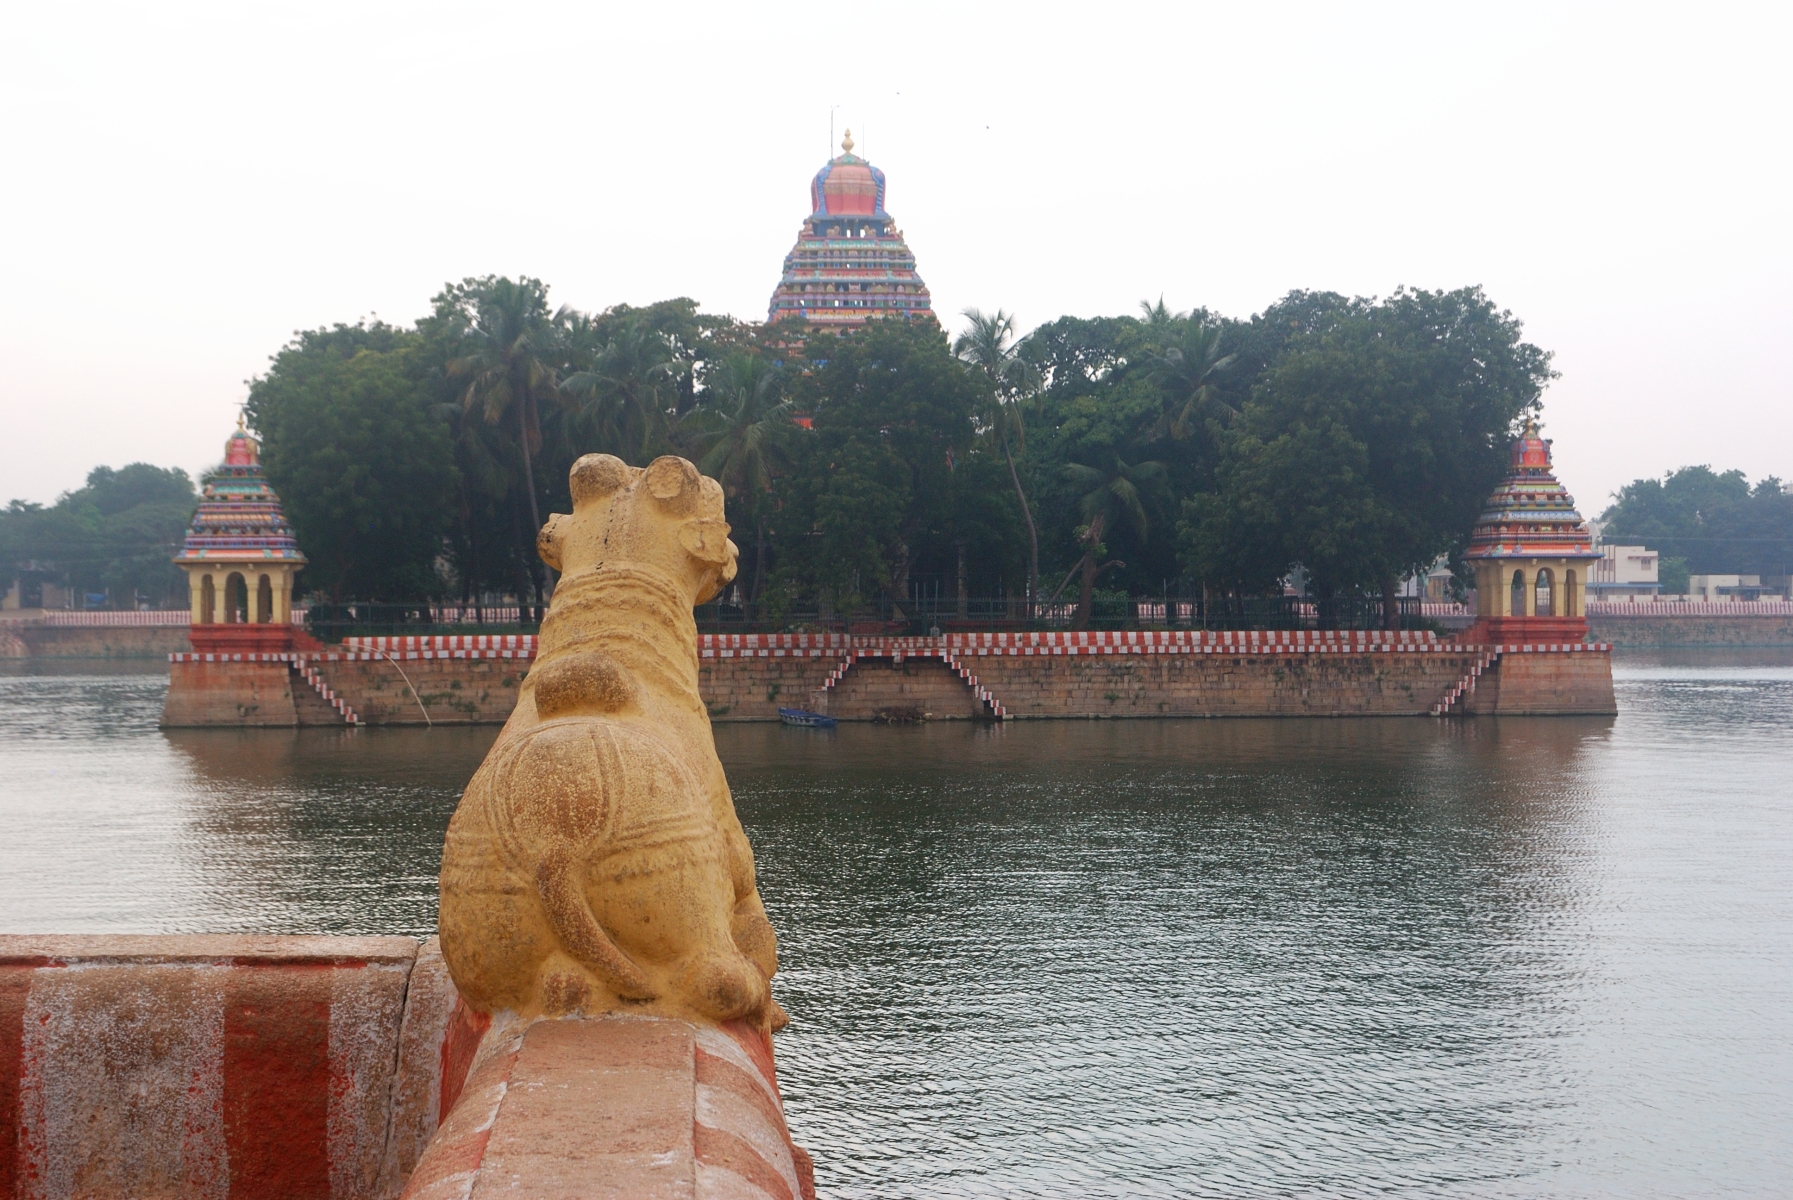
column 809, row 720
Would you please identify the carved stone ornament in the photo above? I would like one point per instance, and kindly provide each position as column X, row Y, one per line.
column 595, row 863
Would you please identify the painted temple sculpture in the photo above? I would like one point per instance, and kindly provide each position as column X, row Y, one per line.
column 1531, row 552
column 850, row 263
column 240, row 557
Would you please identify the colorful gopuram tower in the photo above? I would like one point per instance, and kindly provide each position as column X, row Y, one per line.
column 1531, row 552
column 240, row 557
column 850, row 264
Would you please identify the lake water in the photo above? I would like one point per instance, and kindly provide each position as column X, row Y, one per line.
column 1394, row 957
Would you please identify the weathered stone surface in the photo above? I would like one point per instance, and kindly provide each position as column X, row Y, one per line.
column 436, row 1045
column 204, row 1066
column 95, row 641
column 617, row 1106
column 595, row 862
column 1546, row 684
column 248, row 694
column 1679, row 630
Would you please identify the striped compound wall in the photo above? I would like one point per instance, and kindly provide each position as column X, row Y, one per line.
column 987, row 676
column 294, row 1068
column 222, row 1066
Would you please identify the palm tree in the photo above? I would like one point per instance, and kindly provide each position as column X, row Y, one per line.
column 507, row 359
column 1185, row 369
column 626, row 392
column 741, row 428
column 1157, row 316
column 988, row 345
column 1110, row 499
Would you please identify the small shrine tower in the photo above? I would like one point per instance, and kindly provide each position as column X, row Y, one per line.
column 1531, row 552
column 240, row 557
column 850, row 264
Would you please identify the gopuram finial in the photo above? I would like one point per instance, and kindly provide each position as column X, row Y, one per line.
column 846, row 143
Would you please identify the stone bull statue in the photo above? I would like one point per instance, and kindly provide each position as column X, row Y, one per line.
column 595, row 863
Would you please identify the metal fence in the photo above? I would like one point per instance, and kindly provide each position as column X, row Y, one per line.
column 923, row 615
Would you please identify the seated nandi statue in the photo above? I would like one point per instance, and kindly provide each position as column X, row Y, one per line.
column 595, row 863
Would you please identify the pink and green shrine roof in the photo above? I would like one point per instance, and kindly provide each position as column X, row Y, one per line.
column 850, row 263
column 1530, row 515
column 239, row 515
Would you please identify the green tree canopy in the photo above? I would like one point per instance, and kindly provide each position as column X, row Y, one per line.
column 114, row 536
column 1372, row 439
column 1716, row 523
column 362, row 459
column 893, row 416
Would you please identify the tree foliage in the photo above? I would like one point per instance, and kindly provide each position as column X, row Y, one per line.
column 1712, row 522
column 360, row 454
column 115, row 536
column 1343, row 440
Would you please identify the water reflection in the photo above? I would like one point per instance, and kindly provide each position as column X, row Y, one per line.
column 1392, row 957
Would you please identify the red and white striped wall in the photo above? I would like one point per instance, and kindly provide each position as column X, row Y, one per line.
column 221, row 1066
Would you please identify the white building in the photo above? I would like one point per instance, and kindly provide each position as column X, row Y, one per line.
column 1729, row 588
column 1624, row 573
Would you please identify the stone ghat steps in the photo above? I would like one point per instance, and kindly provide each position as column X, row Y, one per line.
column 314, row 703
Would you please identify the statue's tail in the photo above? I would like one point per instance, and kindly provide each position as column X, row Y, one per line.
column 559, row 879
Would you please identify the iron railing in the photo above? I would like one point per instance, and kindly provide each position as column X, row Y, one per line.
column 920, row 616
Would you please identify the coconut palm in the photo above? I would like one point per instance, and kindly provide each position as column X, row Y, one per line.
column 1185, row 369
column 1157, row 316
column 624, row 395
column 1110, row 500
column 741, row 430
column 507, row 358
column 988, row 345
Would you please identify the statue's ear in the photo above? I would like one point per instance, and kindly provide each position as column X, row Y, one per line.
column 547, row 542
column 595, row 476
column 705, row 539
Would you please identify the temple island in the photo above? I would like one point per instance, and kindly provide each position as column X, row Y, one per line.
column 1527, row 653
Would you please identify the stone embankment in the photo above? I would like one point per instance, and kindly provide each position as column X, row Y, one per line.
column 1716, row 624
column 299, row 1067
column 748, row 677
column 35, row 633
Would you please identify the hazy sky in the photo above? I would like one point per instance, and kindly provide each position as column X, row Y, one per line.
column 185, row 186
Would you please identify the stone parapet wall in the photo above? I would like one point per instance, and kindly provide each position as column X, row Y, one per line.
column 224, row 1066
column 1639, row 629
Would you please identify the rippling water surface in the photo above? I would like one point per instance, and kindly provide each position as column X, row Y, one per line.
column 1515, row 957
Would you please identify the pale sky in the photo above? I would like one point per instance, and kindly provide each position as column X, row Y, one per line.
column 185, row 186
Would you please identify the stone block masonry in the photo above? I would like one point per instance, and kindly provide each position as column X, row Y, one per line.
column 749, row 677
